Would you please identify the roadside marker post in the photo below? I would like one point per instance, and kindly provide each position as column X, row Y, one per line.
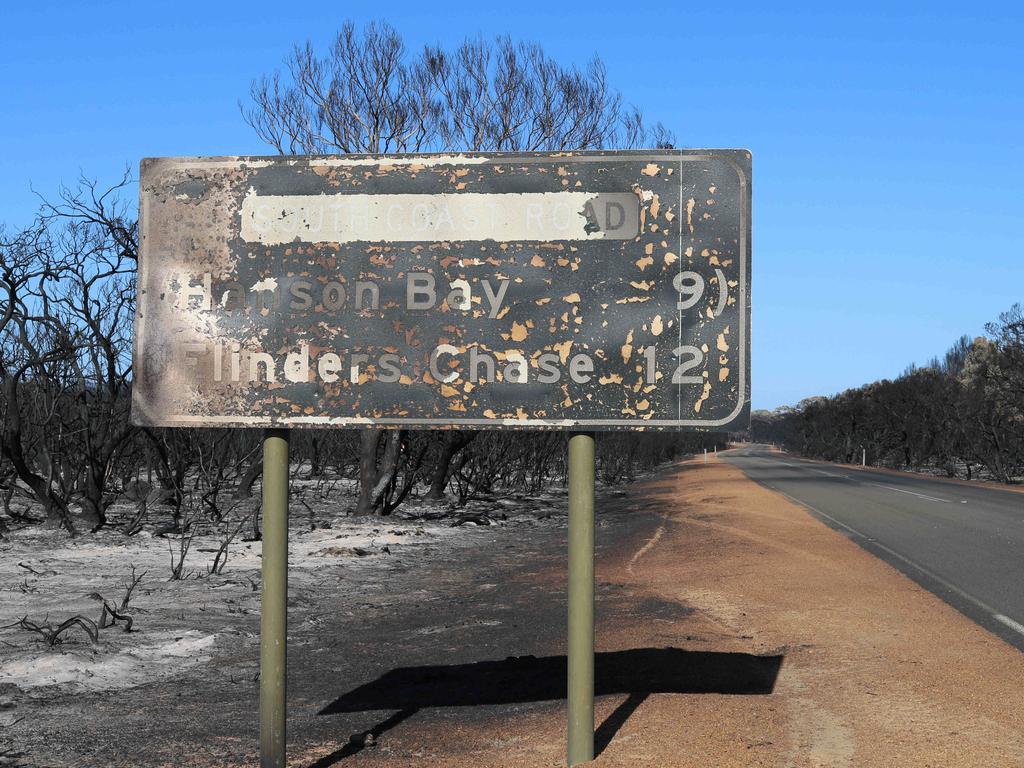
column 571, row 291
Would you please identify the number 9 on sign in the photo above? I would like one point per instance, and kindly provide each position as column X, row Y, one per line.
column 690, row 286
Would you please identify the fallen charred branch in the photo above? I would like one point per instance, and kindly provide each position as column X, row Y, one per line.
column 52, row 635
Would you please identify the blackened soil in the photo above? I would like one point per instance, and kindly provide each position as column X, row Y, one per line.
column 440, row 638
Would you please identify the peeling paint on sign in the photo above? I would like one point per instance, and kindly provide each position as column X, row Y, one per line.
column 508, row 290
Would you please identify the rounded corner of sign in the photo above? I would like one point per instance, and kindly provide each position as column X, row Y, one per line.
column 742, row 404
column 742, row 171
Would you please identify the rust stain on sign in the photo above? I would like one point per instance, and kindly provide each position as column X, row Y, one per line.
column 446, row 290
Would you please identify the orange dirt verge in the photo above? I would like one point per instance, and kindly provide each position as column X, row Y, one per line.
column 876, row 671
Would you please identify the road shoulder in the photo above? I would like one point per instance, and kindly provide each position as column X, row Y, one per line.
column 874, row 670
column 877, row 671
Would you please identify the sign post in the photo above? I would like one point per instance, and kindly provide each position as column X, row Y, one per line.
column 581, row 598
column 274, row 600
column 574, row 291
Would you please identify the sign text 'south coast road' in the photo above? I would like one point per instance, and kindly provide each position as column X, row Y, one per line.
column 594, row 290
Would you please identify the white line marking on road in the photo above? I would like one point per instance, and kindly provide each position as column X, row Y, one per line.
column 912, row 493
column 828, row 474
column 803, row 466
column 1014, row 625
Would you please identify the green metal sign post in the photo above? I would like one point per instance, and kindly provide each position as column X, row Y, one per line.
column 274, row 606
column 581, row 598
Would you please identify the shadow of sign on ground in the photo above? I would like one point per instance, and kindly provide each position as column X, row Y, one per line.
column 638, row 672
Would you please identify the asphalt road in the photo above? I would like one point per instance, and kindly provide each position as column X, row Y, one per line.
column 963, row 543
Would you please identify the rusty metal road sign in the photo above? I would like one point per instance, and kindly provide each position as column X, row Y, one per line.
column 591, row 290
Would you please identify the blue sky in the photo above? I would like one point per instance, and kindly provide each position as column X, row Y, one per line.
column 888, row 171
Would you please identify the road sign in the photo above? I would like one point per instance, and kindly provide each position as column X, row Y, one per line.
column 593, row 290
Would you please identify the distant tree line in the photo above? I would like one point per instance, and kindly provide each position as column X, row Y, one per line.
column 962, row 414
column 67, row 300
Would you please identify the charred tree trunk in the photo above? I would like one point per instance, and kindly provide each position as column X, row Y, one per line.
column 6, row 495
column 248, row 480
column 57, row 512
column 453, row 442
column 315, row 459
column 93, row 503
column 377, row 479
column 368, row 442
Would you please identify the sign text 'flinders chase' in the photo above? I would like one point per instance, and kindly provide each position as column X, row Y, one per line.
column 592, row 290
